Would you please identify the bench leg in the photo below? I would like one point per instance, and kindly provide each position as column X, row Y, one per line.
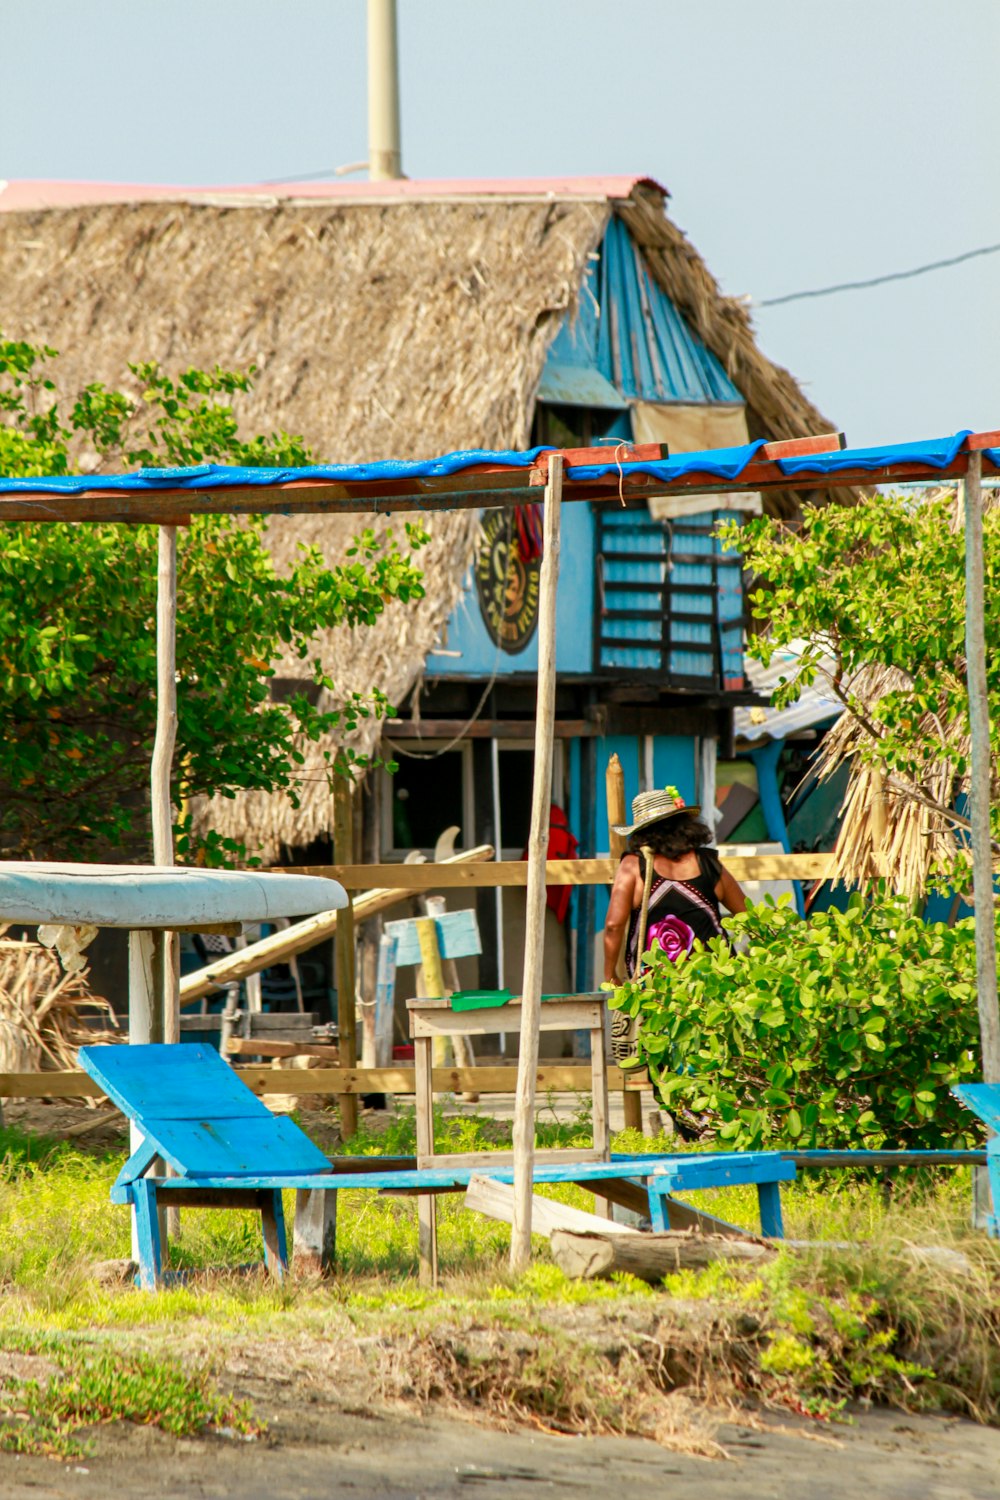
column 147, row 1234
column 658, row 1211
column 426, row 1202
column 272, row 1217
column 769, row 1198
column 314, row 1245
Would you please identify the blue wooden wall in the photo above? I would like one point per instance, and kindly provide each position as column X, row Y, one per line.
column 467, row 632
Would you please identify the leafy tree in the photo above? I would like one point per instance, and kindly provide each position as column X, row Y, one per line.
column 77, row 611
column 880, row 588
column 843, row 1030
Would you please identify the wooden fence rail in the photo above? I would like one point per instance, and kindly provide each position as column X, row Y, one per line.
column 482, row 872
column 554, row 1077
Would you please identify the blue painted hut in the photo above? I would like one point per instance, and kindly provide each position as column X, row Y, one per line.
column 406, row 319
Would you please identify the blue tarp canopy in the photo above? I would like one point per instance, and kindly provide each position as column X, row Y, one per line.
column 480, row 477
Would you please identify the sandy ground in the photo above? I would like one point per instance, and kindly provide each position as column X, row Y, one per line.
column 328, row 1437
column 376, row 1454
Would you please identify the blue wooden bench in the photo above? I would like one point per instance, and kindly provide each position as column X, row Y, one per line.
column 196, row 1117
column 984, row 1100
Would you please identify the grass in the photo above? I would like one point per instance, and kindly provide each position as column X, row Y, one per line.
column 91, row 1387
column 811, row 1331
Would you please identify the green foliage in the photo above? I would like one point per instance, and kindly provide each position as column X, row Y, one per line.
column 96, row 1387
column 843, row 1030
column 77, row 665
column 881, row 585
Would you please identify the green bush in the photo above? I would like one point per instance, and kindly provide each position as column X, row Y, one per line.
column 845, row 1029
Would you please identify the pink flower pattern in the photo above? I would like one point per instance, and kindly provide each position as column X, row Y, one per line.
column 674, row 937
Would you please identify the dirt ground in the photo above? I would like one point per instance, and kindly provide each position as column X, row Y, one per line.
column 319, row 1449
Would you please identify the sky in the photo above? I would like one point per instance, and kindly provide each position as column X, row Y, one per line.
column 803, row 144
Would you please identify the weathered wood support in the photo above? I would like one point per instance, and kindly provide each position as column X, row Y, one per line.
column 343, row 841
column 538, row 840
column 314, row 1241
column 980, row 778
column 589, row 1254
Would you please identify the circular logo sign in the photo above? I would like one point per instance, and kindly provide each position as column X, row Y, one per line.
column 507, row 585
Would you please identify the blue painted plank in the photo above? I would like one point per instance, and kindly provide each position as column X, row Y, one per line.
column 769, row 1201
column 139, row 1163
column 457, row 935
column 983, row 1099
column 274, row 1147
column 147, row 1226
column 170, row 1082
column 680, row 1177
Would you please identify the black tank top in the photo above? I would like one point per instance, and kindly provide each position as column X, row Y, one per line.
column 694, row 901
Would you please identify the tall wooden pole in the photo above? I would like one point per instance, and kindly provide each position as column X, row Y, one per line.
column 538, row 842
column 980, row 774
column 166, row 1025
column 343, row 844
column 614, row 789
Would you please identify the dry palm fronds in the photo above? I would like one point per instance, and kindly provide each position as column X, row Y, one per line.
column 893, row 829
column 42, row 1009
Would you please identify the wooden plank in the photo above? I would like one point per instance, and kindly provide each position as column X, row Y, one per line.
column 487, row 729
column 241, row 1046
column 823, row 442
column 496, row 1200
column 585, row 1254
column 472, row 873
column 69, row 1085
column 431, row 1003
column 560, row 1078
column 538, row 839
column 554, row 1157
column 562, row 1016
column 483, row 873
column 457, row 933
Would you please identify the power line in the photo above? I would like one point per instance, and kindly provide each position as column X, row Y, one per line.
column 854, row 286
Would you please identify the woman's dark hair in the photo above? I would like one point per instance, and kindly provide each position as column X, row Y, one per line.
column 671, row 837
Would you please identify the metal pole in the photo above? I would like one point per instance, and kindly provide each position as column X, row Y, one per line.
column 538, row 839
column 384, row 153
column 980, row 774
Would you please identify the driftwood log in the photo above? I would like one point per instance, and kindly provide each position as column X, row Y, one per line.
column 587, row 1255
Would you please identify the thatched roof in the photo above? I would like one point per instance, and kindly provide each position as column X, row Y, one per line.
column 397, row 324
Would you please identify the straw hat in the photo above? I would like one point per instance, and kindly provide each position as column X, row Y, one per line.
column 653, row 807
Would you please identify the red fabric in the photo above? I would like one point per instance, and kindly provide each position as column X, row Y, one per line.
column 528, row 519
column 562, row 845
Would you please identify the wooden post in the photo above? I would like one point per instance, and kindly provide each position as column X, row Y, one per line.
column 541, row 798
column 980, row 776
column 614, row 783
column 168, row 951
column 146, row 1023
column 343, row 841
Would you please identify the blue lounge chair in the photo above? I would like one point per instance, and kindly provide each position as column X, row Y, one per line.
column 195, row 1116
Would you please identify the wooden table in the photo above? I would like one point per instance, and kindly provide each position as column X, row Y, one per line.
column 430, row 1018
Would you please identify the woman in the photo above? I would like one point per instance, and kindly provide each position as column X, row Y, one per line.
column 688, row 885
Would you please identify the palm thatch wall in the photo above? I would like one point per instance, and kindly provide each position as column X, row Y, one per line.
column 379, row 330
